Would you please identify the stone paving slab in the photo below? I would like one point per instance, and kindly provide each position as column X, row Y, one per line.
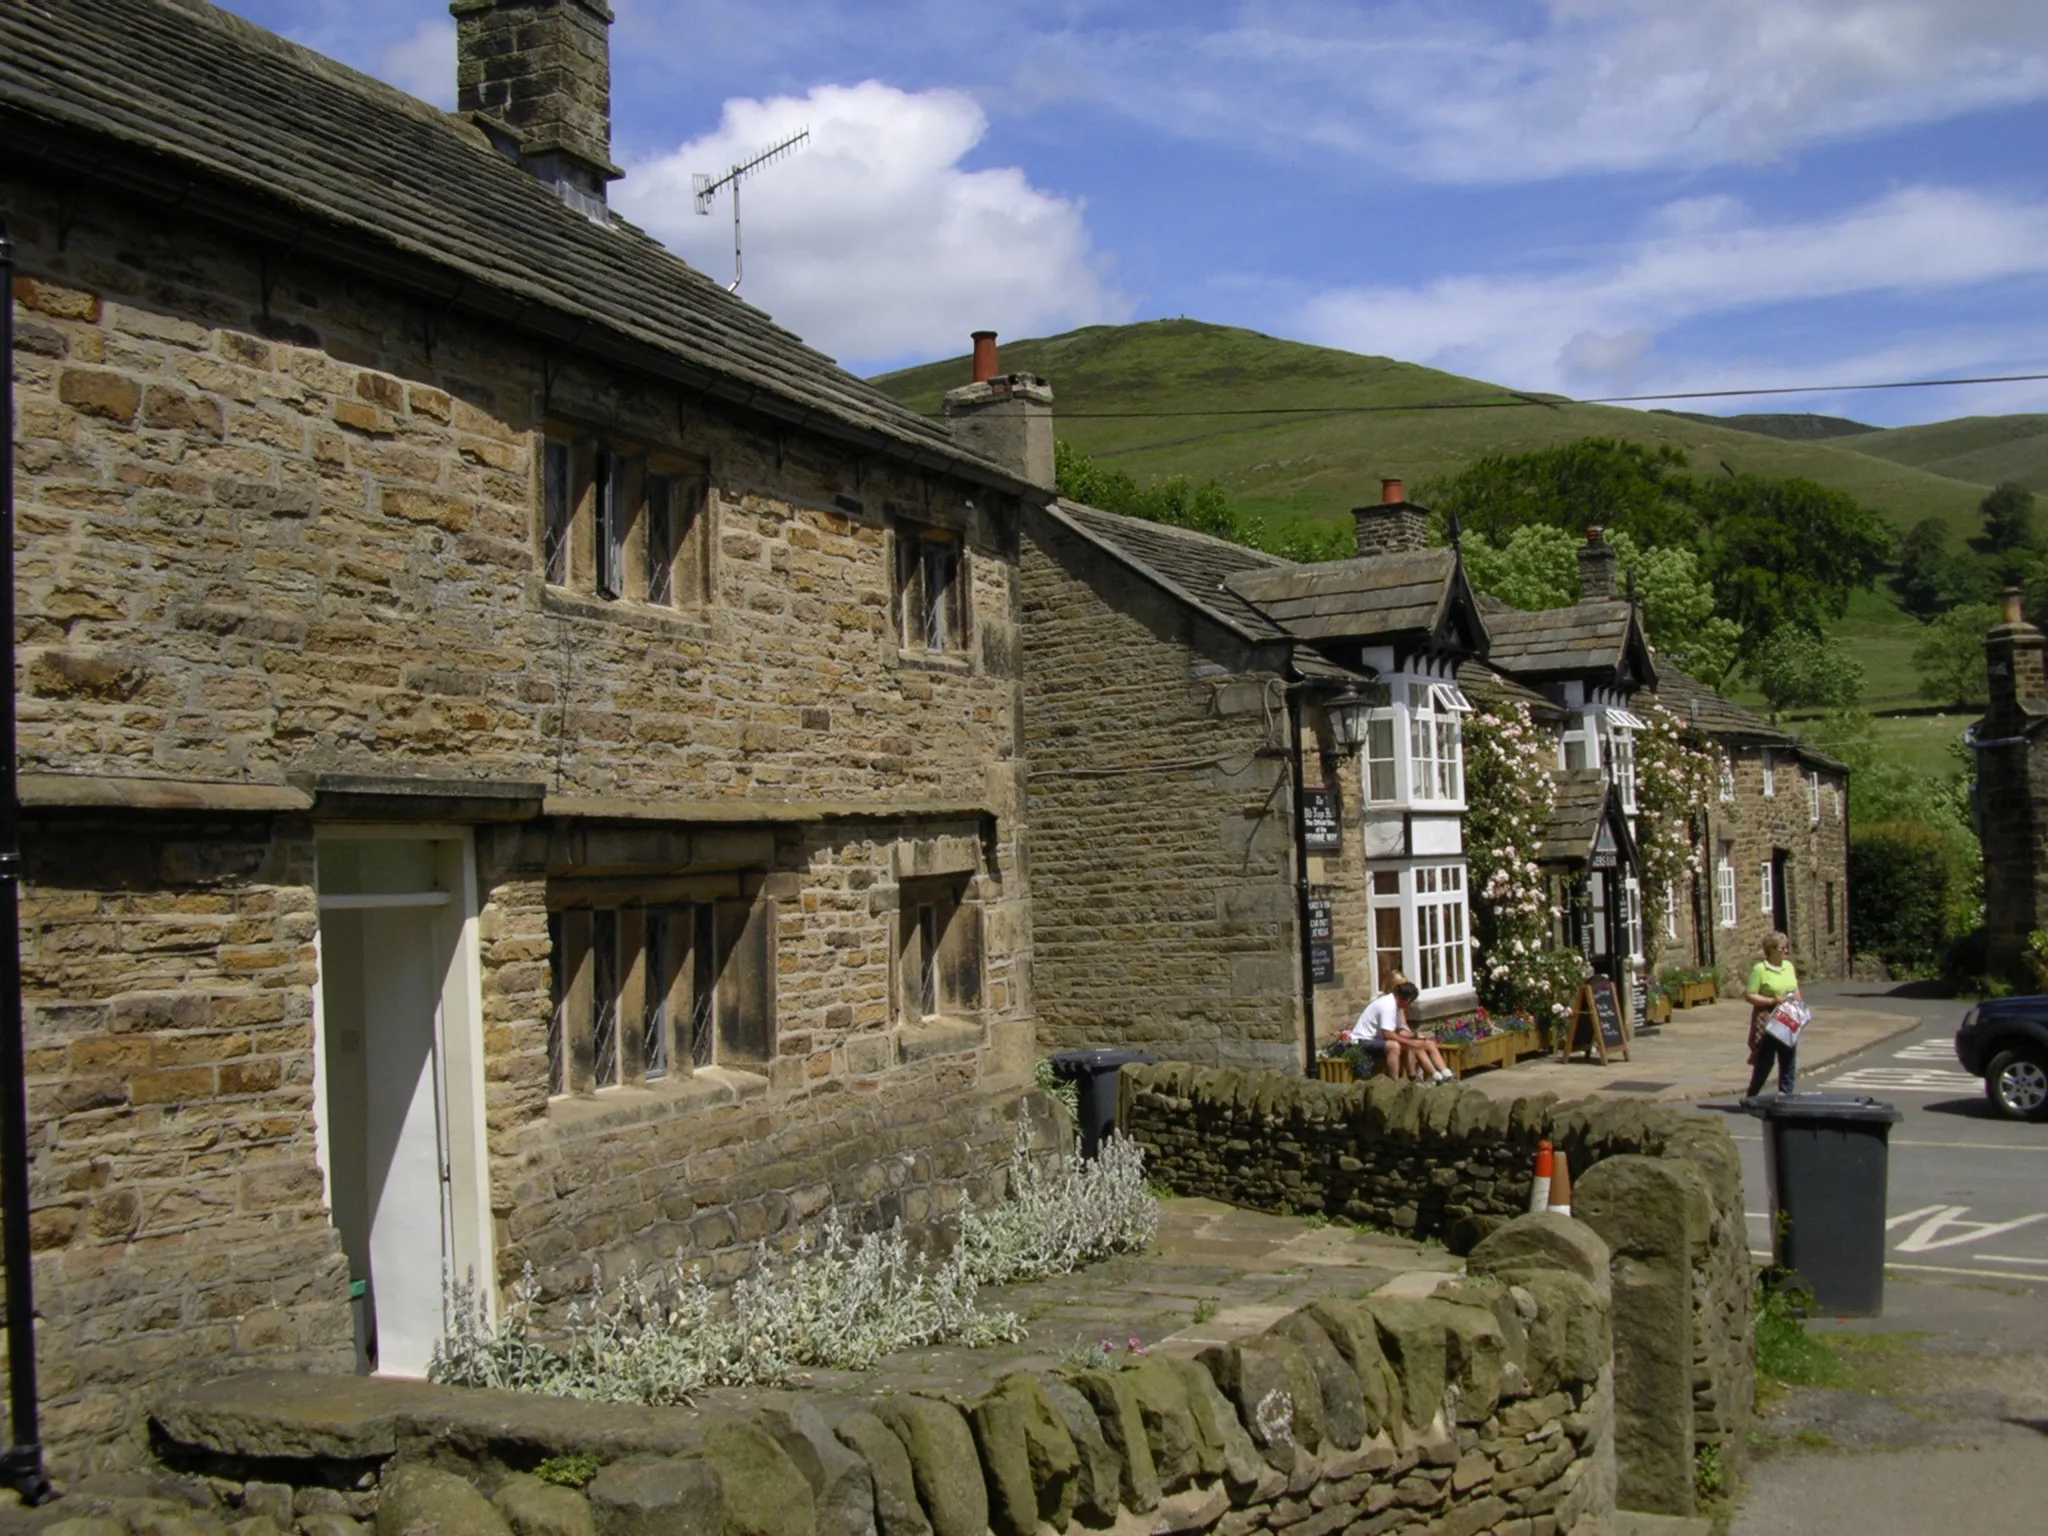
column 1699, row 1054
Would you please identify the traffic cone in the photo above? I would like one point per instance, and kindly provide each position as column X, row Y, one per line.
column 1539, row 1190
column 1561, row 1184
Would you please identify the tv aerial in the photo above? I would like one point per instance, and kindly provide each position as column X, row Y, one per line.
column 707, row 189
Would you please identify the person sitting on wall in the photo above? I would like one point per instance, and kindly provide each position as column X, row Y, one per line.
column 1383, row 1030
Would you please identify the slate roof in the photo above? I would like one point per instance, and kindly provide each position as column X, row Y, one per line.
column 1575, row 819
column 1482, row 684
column 1354, row 599
column 1695, row 703
column 179, row 104
column 1554, row 642
column 1194, row 567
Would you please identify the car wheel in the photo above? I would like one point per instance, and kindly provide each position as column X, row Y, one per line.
column 2017, row 1083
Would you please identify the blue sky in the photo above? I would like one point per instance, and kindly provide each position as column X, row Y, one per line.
column 1590, row 196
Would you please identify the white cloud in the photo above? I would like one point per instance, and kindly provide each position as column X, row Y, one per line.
column 423, row 62
column 872, row 241
column 1475, row 91
column 1594, row 328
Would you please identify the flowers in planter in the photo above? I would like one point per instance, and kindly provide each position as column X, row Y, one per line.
column 1478, row 1025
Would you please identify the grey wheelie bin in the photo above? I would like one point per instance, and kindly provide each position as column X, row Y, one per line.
column 1093, row 1074
column 1827, row 1154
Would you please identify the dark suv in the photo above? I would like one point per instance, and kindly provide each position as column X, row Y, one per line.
column 2004, row 1040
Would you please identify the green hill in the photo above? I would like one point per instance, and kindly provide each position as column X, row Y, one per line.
column 1158, row 399
column 1986, row 449
column 1800, row 426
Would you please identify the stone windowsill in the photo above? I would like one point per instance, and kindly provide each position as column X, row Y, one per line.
column 664, row 1098
column 938, row 1036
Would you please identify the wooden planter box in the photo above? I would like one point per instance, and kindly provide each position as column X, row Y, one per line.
column 1659, row 1010
column 1335, row 1069
column 1690, row 994
column 1502, row 1050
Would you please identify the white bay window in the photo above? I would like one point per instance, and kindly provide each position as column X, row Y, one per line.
column 1420, row 927
column 1429, row 718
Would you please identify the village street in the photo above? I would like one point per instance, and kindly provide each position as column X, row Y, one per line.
column 1949, row 1389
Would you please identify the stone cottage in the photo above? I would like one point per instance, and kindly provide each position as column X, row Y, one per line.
column 1773, row 846
column 1247, row 787
column 2012, row 793
column 1589, row 660
column 520, row 755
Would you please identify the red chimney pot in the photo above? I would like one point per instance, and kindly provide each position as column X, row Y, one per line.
column 984, row 356
column 1390, row 490
column 1593, row 533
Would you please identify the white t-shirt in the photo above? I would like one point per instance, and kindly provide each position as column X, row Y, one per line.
column 1382, row 1016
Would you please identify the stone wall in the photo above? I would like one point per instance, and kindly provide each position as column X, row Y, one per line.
column 1161, row 855
column 1450, row 1162
column 1439, row 1404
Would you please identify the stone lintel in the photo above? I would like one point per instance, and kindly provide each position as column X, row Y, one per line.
column 105, row 792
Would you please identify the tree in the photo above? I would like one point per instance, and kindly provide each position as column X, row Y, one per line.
column 1774, row 551
column 1799, row 668
column 2008, row 514
column 1624, row 486
column 1950, row 655
column 1536, row 566
column 1678, row 608
column 1787, row 552
column 1921, row 552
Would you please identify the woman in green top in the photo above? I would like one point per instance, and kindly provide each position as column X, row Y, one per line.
column 1771, row 980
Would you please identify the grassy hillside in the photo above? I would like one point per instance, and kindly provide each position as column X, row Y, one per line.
column 1986, row 449
column 1185, row 376
column 1801, row 426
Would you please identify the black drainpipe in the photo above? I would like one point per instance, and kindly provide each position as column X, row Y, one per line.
column 1308, row 974
column 22, row 1466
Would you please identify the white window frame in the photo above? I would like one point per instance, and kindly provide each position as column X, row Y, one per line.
column 1727, row 778
column 1621, row 756
column 1724, row 887
column 1632, row 916
column 1670, row 910
column 1436, row 926
column 1766, row 891
column 1813, row 797
column 1770, row 776
column 1415, row 747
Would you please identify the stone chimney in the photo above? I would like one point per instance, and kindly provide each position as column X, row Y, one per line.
column 1004, row 417
column 2013, row 662
column 1391, row 525
column 1596, row 568
column 537, row 76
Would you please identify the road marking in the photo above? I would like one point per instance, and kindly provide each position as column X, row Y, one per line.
column 1949, row 1269
column 1919, row 1215
column 1927, row 1050
column 1928, row 1235
column 2006, row 1258
column 1907, row 1080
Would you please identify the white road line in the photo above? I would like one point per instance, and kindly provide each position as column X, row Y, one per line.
column 1907, row 1080
column 1946, row 1269
column 2006, row 1258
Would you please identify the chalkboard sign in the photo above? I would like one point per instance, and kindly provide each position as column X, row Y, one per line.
column 1319, row 830
column 1322, row 962
column 1597, row 1024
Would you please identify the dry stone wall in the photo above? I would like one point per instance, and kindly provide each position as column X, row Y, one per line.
column 1450, row 1162
column 1480, row 1404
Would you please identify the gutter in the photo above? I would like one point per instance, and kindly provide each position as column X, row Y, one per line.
column 21, row 1465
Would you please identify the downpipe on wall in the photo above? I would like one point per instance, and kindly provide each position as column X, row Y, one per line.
column 1300, row 836
column 22, row 1463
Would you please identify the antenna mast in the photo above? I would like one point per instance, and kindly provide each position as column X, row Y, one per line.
column 707, row 189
